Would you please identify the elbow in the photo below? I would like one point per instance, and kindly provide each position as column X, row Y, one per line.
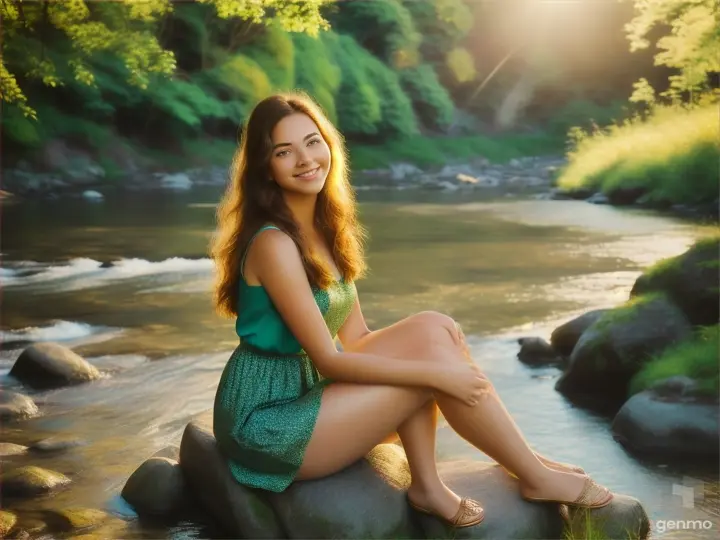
column 327, row 364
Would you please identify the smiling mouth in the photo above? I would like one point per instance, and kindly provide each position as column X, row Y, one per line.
column 307, row 174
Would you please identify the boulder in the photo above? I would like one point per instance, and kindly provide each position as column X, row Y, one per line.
column 617, row 345
column 7, row 522
column 625, row 196
column 156, row 488
column 31, row 480
column 14, row 406
column 508, row 516
column 242, row 512
column 535, row 351
column 565, row 337
column 598, row 198
column 680, row 427
column 49, row 365
column 367, row 499
column 690, row 280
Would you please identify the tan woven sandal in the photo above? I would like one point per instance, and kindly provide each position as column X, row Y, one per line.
column 470, row 513
column 590, row 494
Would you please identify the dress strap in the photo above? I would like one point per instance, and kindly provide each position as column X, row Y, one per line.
column 247, row 248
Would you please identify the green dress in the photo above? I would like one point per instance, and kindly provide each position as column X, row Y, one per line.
column 269, row 393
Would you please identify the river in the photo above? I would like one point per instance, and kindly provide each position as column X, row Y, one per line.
column 504, row 267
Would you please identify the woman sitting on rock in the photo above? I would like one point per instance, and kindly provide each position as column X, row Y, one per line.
column 290, row 406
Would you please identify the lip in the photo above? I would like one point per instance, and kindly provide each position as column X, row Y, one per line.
column 308, row 175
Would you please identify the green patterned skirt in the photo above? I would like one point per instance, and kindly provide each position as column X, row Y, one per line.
column 265, row 411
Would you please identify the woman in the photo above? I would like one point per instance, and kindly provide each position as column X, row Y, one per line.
column 289, row 405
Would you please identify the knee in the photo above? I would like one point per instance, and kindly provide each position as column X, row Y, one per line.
column 439, row 329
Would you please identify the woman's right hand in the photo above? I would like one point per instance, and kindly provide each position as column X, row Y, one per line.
column 464, row 381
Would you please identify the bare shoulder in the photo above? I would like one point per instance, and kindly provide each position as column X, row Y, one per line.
column 270, row 252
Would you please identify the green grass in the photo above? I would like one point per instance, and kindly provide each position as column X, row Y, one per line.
column 428, row 151
column 673, row 154
column 696, row 358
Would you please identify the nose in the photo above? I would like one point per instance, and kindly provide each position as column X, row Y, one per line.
column 302, row 157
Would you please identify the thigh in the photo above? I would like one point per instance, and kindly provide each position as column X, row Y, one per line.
column 353, row 418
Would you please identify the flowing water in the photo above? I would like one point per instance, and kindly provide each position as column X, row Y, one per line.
column 503, row 267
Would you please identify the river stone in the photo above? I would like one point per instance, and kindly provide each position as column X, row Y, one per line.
column 14, row 406
column 241, row 511
column 365, row 500
column 650, row 424
column 690, row 280
column 156, row 488
column 56, row 444
column 565, row 337
column 171, row 451
column 75, row 519
column 7, row 522
column 618, row 344
column 31, row 480
column 49, row 365
column 535, row 351
column 11, row 449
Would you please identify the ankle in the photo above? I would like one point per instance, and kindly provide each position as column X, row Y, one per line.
column 425, row 484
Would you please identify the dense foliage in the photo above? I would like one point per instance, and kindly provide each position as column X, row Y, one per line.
column 165, row 76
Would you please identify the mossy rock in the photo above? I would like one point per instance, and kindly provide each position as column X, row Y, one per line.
column 31, row 480
column 15, row 406
column 75, row 519
column 7, row 522
column 690, row 280
column 10, row 449
column 618, row 344
column 156, row 488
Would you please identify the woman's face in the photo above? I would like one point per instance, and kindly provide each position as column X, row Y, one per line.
column 300, row 159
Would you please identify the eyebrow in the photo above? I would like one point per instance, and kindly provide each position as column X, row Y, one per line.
column 313, row 134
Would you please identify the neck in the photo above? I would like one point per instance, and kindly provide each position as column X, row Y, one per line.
column 302, row 208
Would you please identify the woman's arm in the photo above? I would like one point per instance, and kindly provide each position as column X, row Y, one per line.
column 278, row 266
column 354, row 329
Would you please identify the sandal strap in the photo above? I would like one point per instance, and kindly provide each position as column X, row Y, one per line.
column 469, row 510
column 590, row 493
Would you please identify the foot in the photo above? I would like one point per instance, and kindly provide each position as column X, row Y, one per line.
column 440, row 500
column 567, row 467
column 565, row 487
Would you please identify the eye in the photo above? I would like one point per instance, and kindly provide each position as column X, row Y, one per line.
column 313, row 141
column 282, row 153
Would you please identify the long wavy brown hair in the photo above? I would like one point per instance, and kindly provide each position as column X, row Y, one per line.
column 251, row 201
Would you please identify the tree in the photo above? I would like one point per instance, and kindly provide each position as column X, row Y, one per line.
column 56, row 41
column 692, row 45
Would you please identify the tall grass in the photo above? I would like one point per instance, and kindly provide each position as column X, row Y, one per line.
column 674, row 154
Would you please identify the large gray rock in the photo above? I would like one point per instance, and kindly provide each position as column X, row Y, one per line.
column 565, row 337
column 508, row 516
column 679, row 427
column 691, row 280
column 365, row 500
column 242, row 512
column 49, row 365
column 14, row 406
column 156, row 488
column 618, row 344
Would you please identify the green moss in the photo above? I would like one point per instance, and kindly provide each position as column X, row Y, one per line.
column 696, row 358
column 626, row 311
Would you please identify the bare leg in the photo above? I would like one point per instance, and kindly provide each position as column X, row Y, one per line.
column 487, row 426
column 418, row 438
